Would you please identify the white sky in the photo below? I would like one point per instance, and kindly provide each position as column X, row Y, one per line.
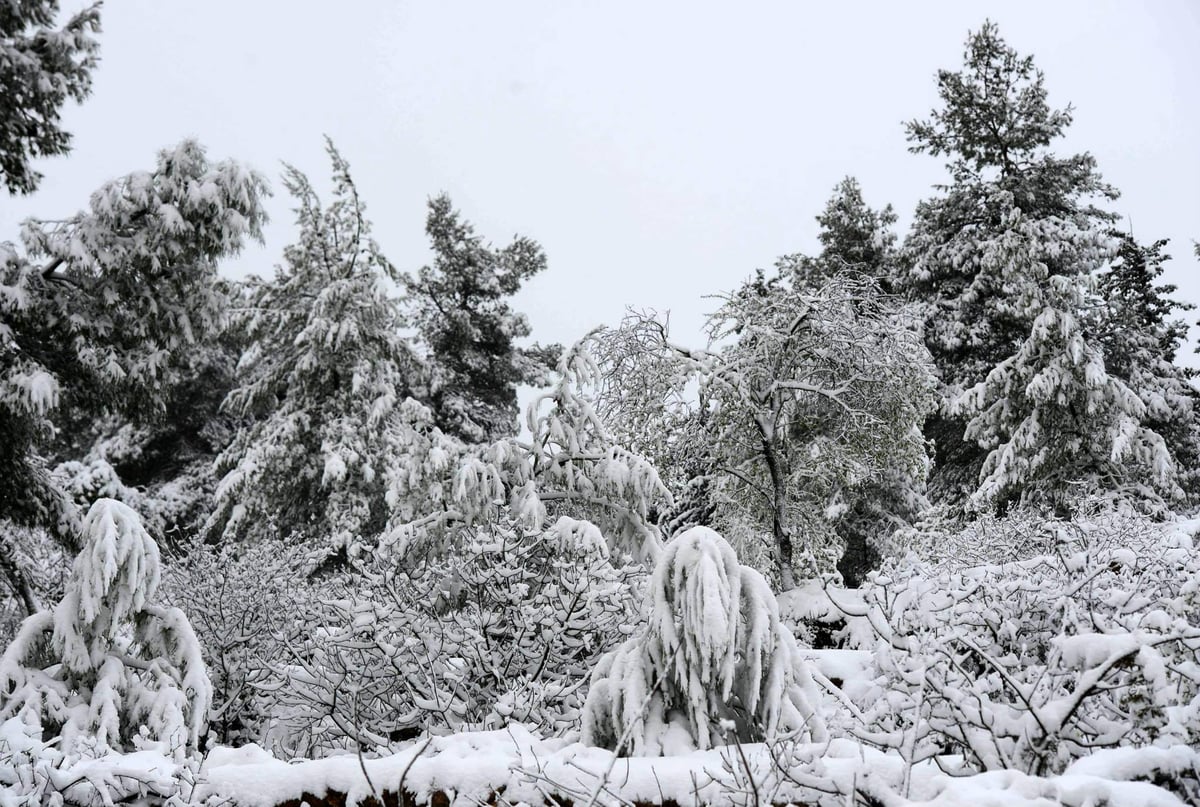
column 658, row 151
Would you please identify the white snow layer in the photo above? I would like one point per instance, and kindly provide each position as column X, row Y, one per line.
column 470, row 767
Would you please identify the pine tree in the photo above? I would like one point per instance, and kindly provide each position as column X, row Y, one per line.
column 100, row 308
column 1004, row 262
column 1141, row 338
column 1058, row 426
column 854, row 238
column 460, row 306
column 995, row 128
column 41, row 65
column 319, row 381
column 161, row 463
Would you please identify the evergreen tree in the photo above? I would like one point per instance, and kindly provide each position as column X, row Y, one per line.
column 460, row 306
column 1058, row 426
column 1004, row 262
column 1141, row 337
column 160, row 464
column 107, row 661
column 853, row 237
column 319, row 383
column 995, row 128
column 41, row 64
column 100, row 308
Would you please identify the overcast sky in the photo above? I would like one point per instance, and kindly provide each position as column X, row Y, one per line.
column 658, row 151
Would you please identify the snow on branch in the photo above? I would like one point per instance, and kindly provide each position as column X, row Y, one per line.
column 714, row 664
column 106, row 668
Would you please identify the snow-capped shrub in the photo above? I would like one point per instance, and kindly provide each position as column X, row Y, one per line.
column 1040, row 661
column 34, row 771
column 106, row 667
column 945, row 544
column 244, row 601
column 713, row 663
column 440, row 488
column 503, row 631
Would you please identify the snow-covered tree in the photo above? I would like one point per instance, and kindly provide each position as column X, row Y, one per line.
column 712, row 666
column 320, row 380
column 854, row 237
column 569, row 465
column 1004, row 263
column 859, row 240
column 107, row 668
column 1057, row 425
column 98, row 310
column 159, row 464
column 42, row 63
column 461, row 310
column 809, row 397
column 1140, row 338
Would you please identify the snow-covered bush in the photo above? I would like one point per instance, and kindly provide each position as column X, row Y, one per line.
column 713, row 664
column 504, row 631
column 1031, row 664
column 34, row 770
column 106, row 667
column 945, row 544
column 243, row 600
column 571, row 465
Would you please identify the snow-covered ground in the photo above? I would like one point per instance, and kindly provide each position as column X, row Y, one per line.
column 513, row 766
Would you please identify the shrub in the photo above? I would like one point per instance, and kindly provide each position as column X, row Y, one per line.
column 1030, row 664
column 106, row 667
column 712, row 664
column 244, row 601
column 504, row 631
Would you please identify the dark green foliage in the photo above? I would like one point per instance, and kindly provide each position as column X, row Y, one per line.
column 995, row 128
column 101, row 309
column 319, row 383
column 854, row 238
column 1138, row 307
column 995, row 114
column 41, row 65
column 1141, row 337
column 461, row 309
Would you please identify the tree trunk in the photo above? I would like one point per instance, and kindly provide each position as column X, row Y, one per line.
column 17, row 579
column 783, row 539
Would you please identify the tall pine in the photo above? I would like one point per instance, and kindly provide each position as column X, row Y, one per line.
column 322, row 375
column 1004, row 260
column 460, row 305
column 1141, row 336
